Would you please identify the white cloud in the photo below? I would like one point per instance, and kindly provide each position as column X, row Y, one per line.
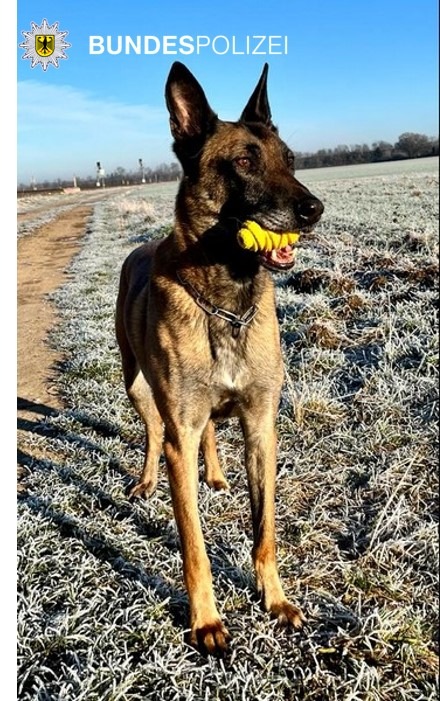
column 62, row 130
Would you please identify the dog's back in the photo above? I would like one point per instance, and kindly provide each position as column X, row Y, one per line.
column 132, row 300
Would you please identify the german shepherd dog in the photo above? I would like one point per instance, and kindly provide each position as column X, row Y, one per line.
column 198, row 332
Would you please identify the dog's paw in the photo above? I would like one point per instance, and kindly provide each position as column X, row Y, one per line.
column 143, row 489
column 211, row 639
column 288, row 615
column 217, row 483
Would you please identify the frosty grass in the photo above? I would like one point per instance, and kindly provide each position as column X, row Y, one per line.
column 102, row 607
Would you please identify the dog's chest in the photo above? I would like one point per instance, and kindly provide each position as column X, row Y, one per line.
column 230, row 369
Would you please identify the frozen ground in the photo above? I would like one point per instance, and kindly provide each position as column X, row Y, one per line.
column 102, row 607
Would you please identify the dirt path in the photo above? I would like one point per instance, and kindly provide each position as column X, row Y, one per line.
column 42, row 261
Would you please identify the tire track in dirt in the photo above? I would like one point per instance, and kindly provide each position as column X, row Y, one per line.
column 43, row 258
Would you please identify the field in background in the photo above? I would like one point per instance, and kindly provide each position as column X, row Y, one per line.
column 370, row 170
column 102, row 607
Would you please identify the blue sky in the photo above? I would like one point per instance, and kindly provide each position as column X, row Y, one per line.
column 356, row 71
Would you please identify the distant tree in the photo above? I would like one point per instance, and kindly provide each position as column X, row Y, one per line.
column 120, row 171
column 175, row 170
column 324, row 157
column 163, row 172
column 413, row 145
column 434, row 146
column 367, row 156
column 382, row 151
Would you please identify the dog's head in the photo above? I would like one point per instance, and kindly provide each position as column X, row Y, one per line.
column 241, row 170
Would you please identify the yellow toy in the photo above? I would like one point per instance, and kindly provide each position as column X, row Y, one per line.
column 254, row 238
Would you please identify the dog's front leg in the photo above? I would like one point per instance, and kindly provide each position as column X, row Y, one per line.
column 260, row 442
column 207, row 631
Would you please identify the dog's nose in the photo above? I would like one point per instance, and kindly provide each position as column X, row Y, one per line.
column 309, row 210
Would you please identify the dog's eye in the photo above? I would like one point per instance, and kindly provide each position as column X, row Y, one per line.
column 243, row 162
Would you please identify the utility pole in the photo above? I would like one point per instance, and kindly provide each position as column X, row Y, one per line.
column 141, row 168
column 100, row 175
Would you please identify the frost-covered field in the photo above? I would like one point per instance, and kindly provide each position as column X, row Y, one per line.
column 102, row 607
column 368, row 170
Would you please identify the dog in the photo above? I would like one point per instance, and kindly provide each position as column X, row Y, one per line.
column 198, row 333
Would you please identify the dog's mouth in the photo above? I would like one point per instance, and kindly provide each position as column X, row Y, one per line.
column 278, row 259
column 275, row 250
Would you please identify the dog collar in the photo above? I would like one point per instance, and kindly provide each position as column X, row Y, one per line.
column 237, row 322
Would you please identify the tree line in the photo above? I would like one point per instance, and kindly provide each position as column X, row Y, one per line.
column 408, row 145
column 165, row 172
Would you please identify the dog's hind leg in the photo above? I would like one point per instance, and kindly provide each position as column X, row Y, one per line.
column 213, row 476
column 142, row 399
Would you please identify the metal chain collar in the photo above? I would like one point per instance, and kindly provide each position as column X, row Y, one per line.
column 237, row 322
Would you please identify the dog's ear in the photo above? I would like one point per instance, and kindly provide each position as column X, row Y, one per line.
column 190, row 113
column 257, row 109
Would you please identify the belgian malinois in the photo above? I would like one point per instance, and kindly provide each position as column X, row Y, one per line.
column 198, row 332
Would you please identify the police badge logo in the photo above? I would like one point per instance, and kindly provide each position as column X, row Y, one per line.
column 44, row 45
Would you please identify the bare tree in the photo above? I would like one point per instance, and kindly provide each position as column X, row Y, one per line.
column 382, row 151
column 413, row 145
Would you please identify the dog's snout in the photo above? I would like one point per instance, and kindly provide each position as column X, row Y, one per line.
column 309, row 210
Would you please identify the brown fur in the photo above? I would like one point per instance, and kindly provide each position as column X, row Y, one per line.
column 184, row 367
